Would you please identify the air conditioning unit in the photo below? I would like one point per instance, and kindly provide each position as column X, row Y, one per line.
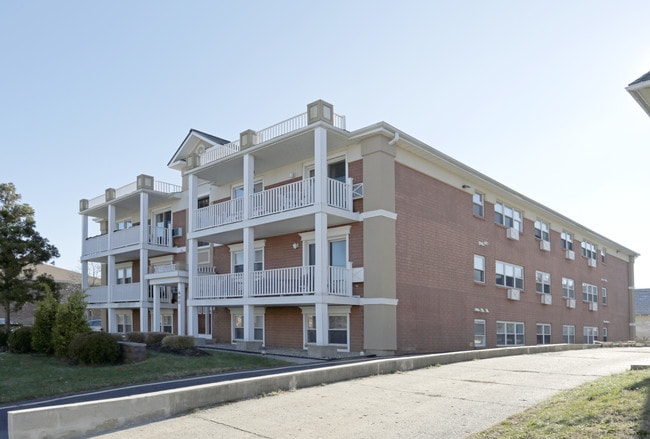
column 571, row 303
column 512, row 233
column 545, row 245
column 591, row 262
column 570, row 254
column 593, row 306
column 513, row 294
column 177, row 231
column 546, row 299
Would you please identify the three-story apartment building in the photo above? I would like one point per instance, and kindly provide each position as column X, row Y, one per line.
column 306, row 235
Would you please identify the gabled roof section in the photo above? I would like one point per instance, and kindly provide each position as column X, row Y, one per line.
column 191, row 141
column 640, row 91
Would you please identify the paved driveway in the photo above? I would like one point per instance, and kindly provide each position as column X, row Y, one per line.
column 450, row 401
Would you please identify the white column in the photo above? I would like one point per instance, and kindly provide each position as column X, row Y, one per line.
column 249, row 183
column 181, row 309
column 249, row 266
column 157, row 291
column 110, row 271
column 112, row 321
column 320, row 166
column 249, row 322
column 192, row 255
column 322, row 324
column 144, row 290
column 84, row 264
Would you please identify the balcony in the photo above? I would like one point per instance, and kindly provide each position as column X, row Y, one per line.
column 156, row 236
column 273, row 201
column 121, row 293
column 290, row 281
column 290, row 125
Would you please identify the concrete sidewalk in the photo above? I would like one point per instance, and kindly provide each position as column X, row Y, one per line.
column 449, row 401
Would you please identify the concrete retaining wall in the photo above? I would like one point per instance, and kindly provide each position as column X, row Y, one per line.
column 88, row 418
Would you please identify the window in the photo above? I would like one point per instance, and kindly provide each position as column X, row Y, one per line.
column 479, row 333
column 258, row 328
column 542, row 231
column 508, row 216
column 238, row 261
column 604, row 296
column 310, row 329
column 238, row 326
column 588, row 250
column 589, row 293
column 124, row 275
column 238, row 191
column 510, row 333
column 603, row 254
column 336, row 170
column 590, row 334
column 569, row 334
column 123, row 224
column 604, row 334
column 338, row 330
column 567, row 241
column 508, row 275
column 477, row 201
column 543, row 333
column 124, row 322
column 479, row 268
column 568, row 288
column 203, row 202
column 542, row 282
column 167, row 323
column 163, row 221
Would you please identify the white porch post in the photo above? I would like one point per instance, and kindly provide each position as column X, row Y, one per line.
column 249, row 184
column 144, row 291
column 110, row 271
column 181, row 308
column 84, row 264
column 320, row 167
column 249, row 267
column 192, row 256
column 322, row 324
column 320, row 235
column 157, row 291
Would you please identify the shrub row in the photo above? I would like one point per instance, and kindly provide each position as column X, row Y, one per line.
column 95, row 348
column 148, row 338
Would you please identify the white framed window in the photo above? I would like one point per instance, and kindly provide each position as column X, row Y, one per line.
column 566, row 240
column 124, row 319
column 124, row 273
column 542, row 231
column 479, row 333
column 603, row 296
column 603, row 255
column 589, row 293
column 588, row 250
column 203, row 201
column 590, row 334
column 509, row 275
column 237, row 256
column 510, row 333
column 542, row 282
column 123, row 224
column 479, row 269
column 337, row 169
column 237, row 324
column 543, row 333
column 508, row 216
column 166, row 321
column 569, row 334
column 568, row 288
column 238, row 191
column 604, row 333
column 478, row 204
column 338, row 324
column 337, row 237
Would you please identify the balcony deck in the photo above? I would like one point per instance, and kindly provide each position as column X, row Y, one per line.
column 160, row 237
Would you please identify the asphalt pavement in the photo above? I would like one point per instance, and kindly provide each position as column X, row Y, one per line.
column 449, row 401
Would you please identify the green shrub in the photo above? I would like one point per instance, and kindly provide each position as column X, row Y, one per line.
column 94, row 348
column 136, row 337
column 44, row 320
column 178, row 342
column 153, row 338
column 70, row 321
column 20, row 341
column 3, row 339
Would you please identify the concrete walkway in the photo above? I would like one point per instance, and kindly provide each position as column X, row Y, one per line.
column 449, row 401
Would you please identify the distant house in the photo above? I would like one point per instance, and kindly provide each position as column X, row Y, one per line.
column 68, row 281
column 642, row 311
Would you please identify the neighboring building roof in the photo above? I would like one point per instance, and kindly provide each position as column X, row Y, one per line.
column 642, row 301
column 640, row 91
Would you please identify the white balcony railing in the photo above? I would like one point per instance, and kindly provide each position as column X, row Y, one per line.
column 279, row 129
column 97, row 294
column 271, row 201
column 161, row 236
column 125, row 237
column 126, row 292
column 95, row 244
column 275, row 282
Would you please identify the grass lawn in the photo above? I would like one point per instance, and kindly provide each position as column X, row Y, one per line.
column 616, row 406
column 28, row 376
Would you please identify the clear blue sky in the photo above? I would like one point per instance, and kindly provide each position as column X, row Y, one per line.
column 93, row 93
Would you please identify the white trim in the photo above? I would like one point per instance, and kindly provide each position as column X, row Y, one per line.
column 258, row 245
column 378, row 212
column 333, row 233
column 378, row 301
